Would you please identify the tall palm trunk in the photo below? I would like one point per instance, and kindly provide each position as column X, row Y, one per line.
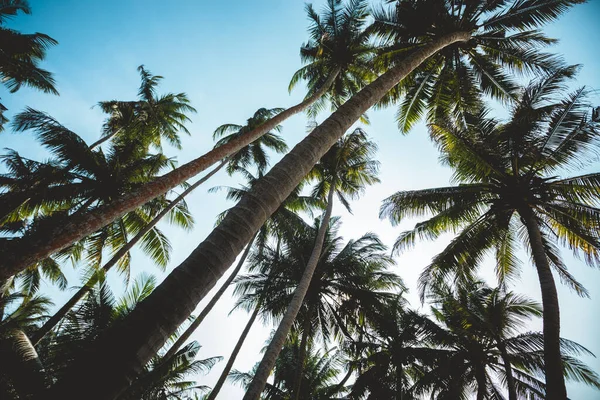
column 194, row 325
column 104, row 139
column 555, row 382
column 85, row 289
column 510, row 379
column 126, row 347
column 481, row 383
column 19, row 254
column 213, row 394
column 301, row 357
column 399, row 382
column 268, row 361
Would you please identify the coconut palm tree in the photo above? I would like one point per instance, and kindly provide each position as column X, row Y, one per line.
column 344, row 171
column 319, row 375
column 152, row 117
column 179, row 293
column 21, row 370
column 508, row 186
column 254, row 153
column 470, row 355
column 451, row 82
column 21, row 54
column 338, row 46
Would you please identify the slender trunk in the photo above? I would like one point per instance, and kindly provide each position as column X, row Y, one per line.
column 340, row 385
column 301, row 358
column 481, row 386
column 105, row 138
column 19, row 254
column 399, row 385
column 126, row 347
column 198, row 320
column 60, row 314
column 555, row 382
column 268, row 361
column 213, row 394
column 510, row 379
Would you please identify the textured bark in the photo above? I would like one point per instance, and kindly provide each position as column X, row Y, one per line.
column 213, row 394
column 60, row 314
column 510, row 379
column 301, row 358
column 16, row 255
column 198, row 320
column 125, row 348
column 555, row 381
column 268, row 361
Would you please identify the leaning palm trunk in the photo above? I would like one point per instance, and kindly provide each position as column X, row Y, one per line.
column 268, row 361
column 85, row 289
column 19, row 254
column 555, row 382
column 213, row 394
column 510, row 379
column 198, row 320
column 301, row 358
column 126, row 347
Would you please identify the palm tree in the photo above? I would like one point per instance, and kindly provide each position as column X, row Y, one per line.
column 349, row 278
column 254, row 153
column 470, row 356
column 507, row 178
column 154, row 118
column 21, row 54
column 319, row 375
column 343, row 171
column 338, row 47
column 450, row 82
column 21, row 370
column 180, row 292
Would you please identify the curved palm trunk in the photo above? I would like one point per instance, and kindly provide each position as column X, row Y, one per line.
column 301, row 358
column 510, row 379
column 18, row 254
column 60, row 314
column 268, row 361
column 213, row 394
column 194, row 325
column 555, row 382
column 126, row 347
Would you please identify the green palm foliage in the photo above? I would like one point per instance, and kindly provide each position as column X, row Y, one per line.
column 509, row 189
column 21, row 54
column 470, row 356
column 255, row 153
column 319, row 376
column 505, row 44
column 338, row 46
column 78, row 179
column 152, row 117
column 159, row 380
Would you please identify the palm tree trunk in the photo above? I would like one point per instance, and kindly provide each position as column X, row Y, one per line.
column 213, row 394
column 105, row 138
column 194, row 325
column 510, row 379
column 301, row 357
column 126, row 347
column 268, row 361
column 399, row 384
column 85, row 289
column 23, row 252
column 555, row 382
column 481, row 386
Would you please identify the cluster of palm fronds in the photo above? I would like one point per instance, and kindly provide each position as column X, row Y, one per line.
column 343, row 327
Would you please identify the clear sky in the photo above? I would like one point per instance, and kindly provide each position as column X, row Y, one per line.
column 232, row 57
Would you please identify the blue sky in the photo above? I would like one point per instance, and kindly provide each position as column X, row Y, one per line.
column 232, row 58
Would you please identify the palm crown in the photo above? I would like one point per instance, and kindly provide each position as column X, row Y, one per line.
column 504, row 42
